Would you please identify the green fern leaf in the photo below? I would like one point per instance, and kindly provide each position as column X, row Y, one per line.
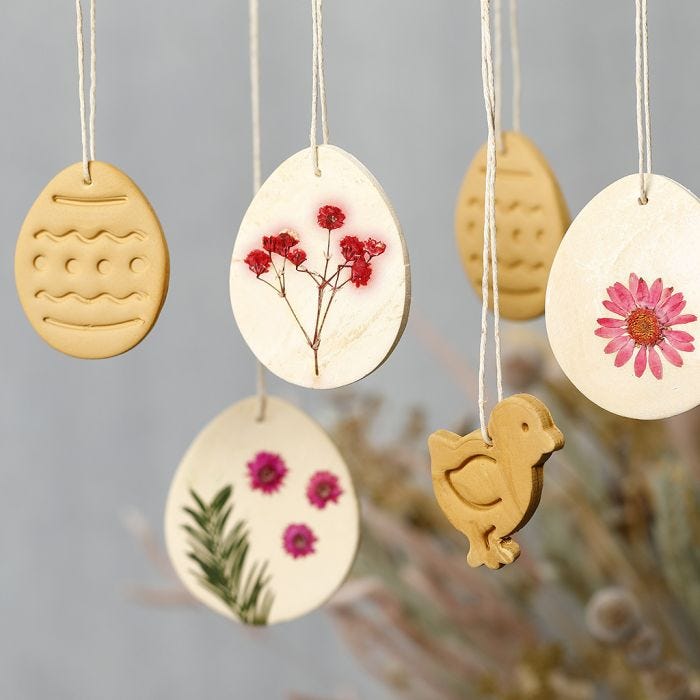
column 222, row 558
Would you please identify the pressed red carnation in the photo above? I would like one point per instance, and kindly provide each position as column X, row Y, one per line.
column 374, row 247
column 323, row 488
column 266, row 472
column 284, row 241
column 258, row 261
column 330, row 217
column 298, row 540
column 296, row 257
column 360, row 272
column 351, row 248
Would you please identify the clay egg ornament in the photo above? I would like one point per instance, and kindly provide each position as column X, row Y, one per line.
column 624, row 296
column 262, row 521
column 320, row 285
column 531, row 218
column 91, row 263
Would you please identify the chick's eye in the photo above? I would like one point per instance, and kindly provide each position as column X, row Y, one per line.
column 525, row 427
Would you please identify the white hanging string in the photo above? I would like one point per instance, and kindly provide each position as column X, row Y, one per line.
column 254, row 44
column 515, row 62
column 643, row 111
column 498, row 67
column 489, row 249
column 254, row 51
column 87, row 125
column 318, row 85
column 498, row 71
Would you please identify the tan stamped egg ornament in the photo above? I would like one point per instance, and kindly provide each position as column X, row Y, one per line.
column 262, row 521
column 91, row 263
column 531, row 216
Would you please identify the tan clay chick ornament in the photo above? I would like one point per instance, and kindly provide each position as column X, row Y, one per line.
column 488, row 492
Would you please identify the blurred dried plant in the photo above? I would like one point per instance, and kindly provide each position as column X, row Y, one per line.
column 603, row 603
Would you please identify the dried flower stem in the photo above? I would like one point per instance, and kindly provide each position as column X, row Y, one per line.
column 357, row 255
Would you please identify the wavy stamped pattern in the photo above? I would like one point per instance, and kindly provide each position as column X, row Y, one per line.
column 116, row 238
column 106, row 296
column 91, row 264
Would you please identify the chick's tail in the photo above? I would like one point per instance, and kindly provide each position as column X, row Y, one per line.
column 444, row 454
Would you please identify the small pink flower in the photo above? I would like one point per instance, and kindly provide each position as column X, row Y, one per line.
column 266, row 471
column 323, row 488
column 298, row 540
column 647, row 316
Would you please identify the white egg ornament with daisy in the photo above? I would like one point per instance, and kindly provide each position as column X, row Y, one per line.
column 623, row 299
column 623, row 295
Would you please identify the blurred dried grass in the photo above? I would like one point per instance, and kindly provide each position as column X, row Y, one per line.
column 619, row 521
column 603, row 603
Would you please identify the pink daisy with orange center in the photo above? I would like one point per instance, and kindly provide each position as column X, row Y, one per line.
column 647, row 316
column 266, row 472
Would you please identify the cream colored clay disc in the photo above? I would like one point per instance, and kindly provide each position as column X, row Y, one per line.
column 624, row 297
column 262, row 521
column 320, row 286
column 91, row 264
column 531, row 218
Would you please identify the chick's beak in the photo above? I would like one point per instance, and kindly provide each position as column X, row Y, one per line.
column 556, row 437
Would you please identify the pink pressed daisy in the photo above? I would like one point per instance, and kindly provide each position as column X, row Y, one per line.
column 266, row 471
column 647, row 314
column 298, row 540
column 323, row 487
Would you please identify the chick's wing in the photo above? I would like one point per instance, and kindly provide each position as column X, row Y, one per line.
column 478, row 482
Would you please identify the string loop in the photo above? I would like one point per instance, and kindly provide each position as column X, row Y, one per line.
column 643, row 111
column 87, row 124
column 318, row 84
column 254, row 53
column 489, row 252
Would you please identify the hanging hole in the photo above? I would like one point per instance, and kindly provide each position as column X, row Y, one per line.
column 87, row 174
column 643, row 200
column 525, row 427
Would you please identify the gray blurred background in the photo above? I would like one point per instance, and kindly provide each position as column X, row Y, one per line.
column 85, row 443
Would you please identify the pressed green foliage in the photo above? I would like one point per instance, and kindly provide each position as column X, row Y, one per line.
column 222, row 558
